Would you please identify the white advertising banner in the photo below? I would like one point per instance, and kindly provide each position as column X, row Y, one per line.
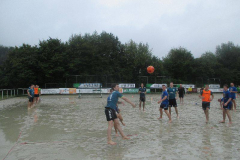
column 214, row 86
column 106, row 90
column 49, row 91
column 88, row 85
column 188, row 85
column 127, row 85
column 157, row 86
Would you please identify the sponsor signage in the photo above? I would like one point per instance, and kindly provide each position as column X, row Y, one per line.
column 106, row 90
column 127, row 85
column 87, row 85
column 155, row 86
column 214, row 86
column 133, row 90
column 49, row 91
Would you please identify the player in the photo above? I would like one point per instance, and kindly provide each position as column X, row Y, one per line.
column 164, row 104
column 233, row 91
column 206, row 99
column 36, row 94
column 172, row 98
column 30, row 96
column 119, row 116
column 227, row 103
column 181, row 92
column 110, row 112
column 142, row 91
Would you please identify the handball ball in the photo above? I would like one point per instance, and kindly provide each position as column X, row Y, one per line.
column 150, row 69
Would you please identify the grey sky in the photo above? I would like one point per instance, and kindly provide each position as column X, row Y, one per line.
column 198, row 25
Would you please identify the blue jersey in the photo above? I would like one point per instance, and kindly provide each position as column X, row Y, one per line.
column 142, row 91
column 233, row 89
column 172, row 92
column 31, row 92
column 163, row 95
column 226, row 96
column 113, row 99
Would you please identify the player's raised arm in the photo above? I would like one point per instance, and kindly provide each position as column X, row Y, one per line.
column 128, row 101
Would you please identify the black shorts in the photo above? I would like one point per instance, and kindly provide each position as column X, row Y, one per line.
column 142, row 99
column 30, row 99
column 164, row 106
column 36, row 95
column 181, row 95
column 205, row 105
column 110, row 114
column 172, row 103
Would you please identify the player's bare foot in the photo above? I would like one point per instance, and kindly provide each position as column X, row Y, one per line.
column 112, row 143
column 125, row 138
column 222, row 122
column 206, row 121
column 170, row 121
column 117, row 135
column 177, row 117
column 230, row 123
column 123, row 124
column 160, row 118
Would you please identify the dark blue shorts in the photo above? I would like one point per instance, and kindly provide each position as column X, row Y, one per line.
column 164, row 106
column 205, row 105
column 142, row 99
column 30, row 99
column 229, row 106
column 110, row 114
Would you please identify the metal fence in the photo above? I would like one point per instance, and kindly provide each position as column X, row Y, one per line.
column 8, row 93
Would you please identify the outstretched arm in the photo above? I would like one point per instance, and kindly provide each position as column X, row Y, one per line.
column 128, row 101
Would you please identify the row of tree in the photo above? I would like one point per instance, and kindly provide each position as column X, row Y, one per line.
column 54, row 61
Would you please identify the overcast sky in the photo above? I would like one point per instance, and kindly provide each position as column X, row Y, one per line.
column 198, row 25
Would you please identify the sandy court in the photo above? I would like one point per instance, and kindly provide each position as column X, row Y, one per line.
column 68, row 128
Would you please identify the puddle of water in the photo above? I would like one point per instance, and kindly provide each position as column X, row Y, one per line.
column 63, row 127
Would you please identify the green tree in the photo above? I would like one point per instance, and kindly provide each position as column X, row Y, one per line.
column 179, row 65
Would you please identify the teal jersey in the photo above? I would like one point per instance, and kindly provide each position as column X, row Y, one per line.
column 172, row 92
column 31, row 92
column 113, row 99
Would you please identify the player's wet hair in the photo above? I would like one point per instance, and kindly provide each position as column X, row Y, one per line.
column 225, row 85
column 113, row 85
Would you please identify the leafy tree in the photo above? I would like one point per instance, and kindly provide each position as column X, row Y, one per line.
column 179, row 64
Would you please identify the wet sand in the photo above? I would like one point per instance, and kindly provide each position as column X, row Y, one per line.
column 68, row 128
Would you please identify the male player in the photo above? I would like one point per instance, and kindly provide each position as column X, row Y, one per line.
column 110, row 111
column 172, row 98
column 164, row 104
column 181, row 92
column 142, row 91
column 30, row 96
column 36, row 94
column 119, row 116
column 207, row 96
column 227, row 103
column 233, row 91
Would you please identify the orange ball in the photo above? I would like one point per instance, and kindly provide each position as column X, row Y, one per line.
column 150, row 69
